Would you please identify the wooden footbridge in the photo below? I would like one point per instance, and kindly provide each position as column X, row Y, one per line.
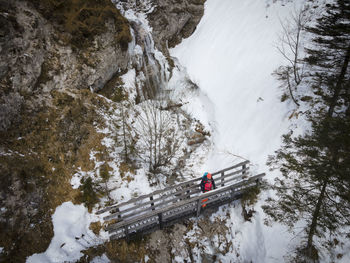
column 176, row 202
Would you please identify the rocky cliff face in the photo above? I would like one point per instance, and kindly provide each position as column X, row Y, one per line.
column 173, row 20
column 47, row 112
column 54, row 58
column 39, row 56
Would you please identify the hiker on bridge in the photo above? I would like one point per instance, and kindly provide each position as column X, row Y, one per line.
column 207, row 184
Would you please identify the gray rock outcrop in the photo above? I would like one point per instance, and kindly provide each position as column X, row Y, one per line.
column 174, row 20
column 36, row 58
column 50, row 73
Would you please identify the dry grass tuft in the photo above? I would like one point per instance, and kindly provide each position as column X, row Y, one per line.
column 125, row 168
column 84, row 19
column 96, row 227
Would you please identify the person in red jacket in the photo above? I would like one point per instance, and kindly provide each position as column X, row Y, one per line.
column 207, row 184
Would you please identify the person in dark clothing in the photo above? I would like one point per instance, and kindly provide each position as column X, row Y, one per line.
column 207, row 182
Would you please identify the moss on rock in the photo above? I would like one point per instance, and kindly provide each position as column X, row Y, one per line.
column 84, row 19
column 43, row 152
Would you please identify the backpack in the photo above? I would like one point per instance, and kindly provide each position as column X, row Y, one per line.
column 208, row 185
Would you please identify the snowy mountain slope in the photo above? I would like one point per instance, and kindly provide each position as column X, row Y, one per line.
column 231, row 56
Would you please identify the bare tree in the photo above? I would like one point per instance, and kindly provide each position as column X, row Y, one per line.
column 126, row 133
column 291, row 47
column 159, row 137
column 105, row 176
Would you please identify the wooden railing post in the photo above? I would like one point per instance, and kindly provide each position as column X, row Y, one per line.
column 188, row 192
column 152, row 204
column 160, row 219
column 199, row 205
column 257, row 182
column 232, row 193
column 119, row 215
column 244, row 166
column 222, row 179
column 126, row 231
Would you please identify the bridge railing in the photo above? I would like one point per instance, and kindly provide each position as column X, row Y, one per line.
column 192, row 206
column 156, row 207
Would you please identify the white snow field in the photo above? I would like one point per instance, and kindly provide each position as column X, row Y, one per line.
column 72, row 234
column 231, row 56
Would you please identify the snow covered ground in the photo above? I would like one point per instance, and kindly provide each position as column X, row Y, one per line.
column 231, row 56
column 71, row 235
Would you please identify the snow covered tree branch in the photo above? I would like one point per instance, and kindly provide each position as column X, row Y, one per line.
column 159, row 139
column 291, row 47
column 313, row 166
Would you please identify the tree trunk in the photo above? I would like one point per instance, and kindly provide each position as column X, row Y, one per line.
column 290, row 91
column 332, row 105
column 338, row 86
column 315, row 216
column 124, row 136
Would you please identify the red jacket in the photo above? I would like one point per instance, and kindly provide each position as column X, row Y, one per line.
column 207, row 184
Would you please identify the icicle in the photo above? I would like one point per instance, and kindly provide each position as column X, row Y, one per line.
column 143, row 55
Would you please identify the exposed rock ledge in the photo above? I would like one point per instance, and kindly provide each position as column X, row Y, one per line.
column 37, row 57
column 174, row 20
